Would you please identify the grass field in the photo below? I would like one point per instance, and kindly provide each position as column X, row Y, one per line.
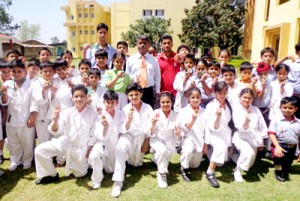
column 141, row 184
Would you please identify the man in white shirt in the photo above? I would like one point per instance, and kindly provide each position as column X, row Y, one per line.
column 134, row 67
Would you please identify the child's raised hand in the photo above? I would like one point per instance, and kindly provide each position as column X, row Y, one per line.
column 130, row 113
column 248, row 117
column 279, row 151
column 178, row 58
column 99, row 110
column 215, row 80
column 120, row 73
column 47, row 85
column 219, row 110
column 104, row 121
column 86, row 46
column 195, row 115
column 204, row 76
column 89, row 100
column 56, row 113
column 177, row 131
column 3, row 89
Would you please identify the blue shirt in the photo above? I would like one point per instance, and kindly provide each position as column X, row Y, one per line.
column 286, row 131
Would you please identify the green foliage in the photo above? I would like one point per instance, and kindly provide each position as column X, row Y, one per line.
column 29, row 31
column 214, row 23
column 5, row 19
column 152, row 27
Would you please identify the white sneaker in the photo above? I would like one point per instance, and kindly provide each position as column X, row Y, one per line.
column 162, row 180
column 96, row 185
column 26, row 166
column 13, row 167
column 116, row 191
column 238, row 176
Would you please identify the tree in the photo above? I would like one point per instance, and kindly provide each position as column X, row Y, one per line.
column 54, row 39
column 214, row 23
column 152, row 27
column 29, row 32
column 6, row 26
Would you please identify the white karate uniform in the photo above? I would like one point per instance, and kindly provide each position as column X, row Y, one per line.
column 129, row 144
column 247, row 141
column 277, row 96
column 97, row 97
column 43, row 103
column 163, row 140
column 78, row 133
column 219, row 139
column 234, row 92
column 181, row 100
column 103, row 152
column 193, row 140
column 21, row 139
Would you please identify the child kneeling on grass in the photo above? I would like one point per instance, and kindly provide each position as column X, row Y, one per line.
column 284, row 132
column 77, row 124
column 108, row 128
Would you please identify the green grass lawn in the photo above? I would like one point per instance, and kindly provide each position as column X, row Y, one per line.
column 141, row 184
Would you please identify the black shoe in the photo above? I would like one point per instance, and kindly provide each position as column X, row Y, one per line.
column 212, row 180
column 1, row 159
column 185, row 175
column 286, row 176
column 47, row 180
column 278, row 176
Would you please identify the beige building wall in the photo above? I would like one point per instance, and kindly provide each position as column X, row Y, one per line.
column 276, row 24
column 127, row 13
column 82, row 18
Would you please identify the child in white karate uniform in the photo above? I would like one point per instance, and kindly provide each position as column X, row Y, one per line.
column 164, row 130
column 44, row 92
column 251, row 130
column 95, row 90
column 183, row 81
column 84, row 66
column 77, row 124
column 22, row 110
column 108, row 129
column 130, row 144
column 192, row 119
column 281, row 87
column 220, row 127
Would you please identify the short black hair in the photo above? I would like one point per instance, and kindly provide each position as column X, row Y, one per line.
column 190, row 56
column 297, row 47
column 183, row 46
column 267, row 49
column 245, row 65
column 66, row 52
column 46, row 64
column 59, row 63
column 143, row 37
column 44, row 48
column 86, row 62
column 166, row 36
column 134, row 86
column 5, row 64
column 122, row 42
column 79, row 87
column 282, row 66
column 102, row 26
column 287, row 100
column 101, row 53
column 13, row 51
column 17, row 63
column 215, row 64
column 34, row 62
column 228, row 68
column 110, row 95
column 94, row 71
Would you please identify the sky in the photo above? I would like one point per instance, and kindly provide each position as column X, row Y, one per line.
column 47, row 13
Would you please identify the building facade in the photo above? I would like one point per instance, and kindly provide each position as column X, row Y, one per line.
column 271, row 23
column 82, row 18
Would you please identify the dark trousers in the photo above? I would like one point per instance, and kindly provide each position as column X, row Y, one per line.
column 287, row 160
column 148, row 96
column 265, row 113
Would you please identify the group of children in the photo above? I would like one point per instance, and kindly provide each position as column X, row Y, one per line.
column 94, row 117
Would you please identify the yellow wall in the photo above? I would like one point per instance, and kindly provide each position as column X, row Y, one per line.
column 279, row 30
column 125, row 13
column 84, row 26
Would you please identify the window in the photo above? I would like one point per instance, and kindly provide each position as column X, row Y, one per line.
column 72, row 33
column 86, row 15
column 80, row 31
column 92, row 15
column 92, row 32
column 81, row 48
column 159, row 13
column 147, row 13
column 80, row 15
column 72, row 17
column 86, row 32
column 73, row 49
column 91, row 5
